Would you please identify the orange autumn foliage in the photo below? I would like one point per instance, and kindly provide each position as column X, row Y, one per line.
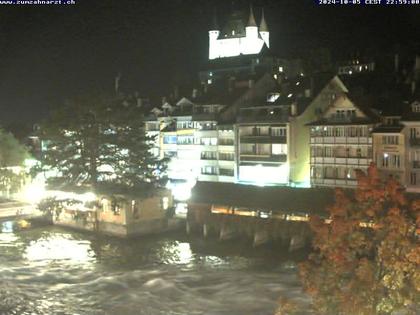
column 358, row 269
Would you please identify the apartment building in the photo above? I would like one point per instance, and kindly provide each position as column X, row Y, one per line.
column 411, row 121
column 262, row 145
column 389, row 148
column 341, row 142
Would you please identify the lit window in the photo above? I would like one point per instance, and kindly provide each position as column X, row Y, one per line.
column 416, row 107
column 280, row 69
column 209, row 81
column 165, row 203
column 272, row 97
column 279, row 149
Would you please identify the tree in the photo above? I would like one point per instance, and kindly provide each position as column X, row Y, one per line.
column 99, row 140
column 367, row 259
column 12, row 158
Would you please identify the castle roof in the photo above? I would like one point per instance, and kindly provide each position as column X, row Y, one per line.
column 215, row 25
column 263, row 25
column 251, row 20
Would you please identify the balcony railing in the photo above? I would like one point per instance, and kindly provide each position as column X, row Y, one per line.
column 208, row 158
column 253, row 157
column 415, row 142
column 226, row 142
column 209, row 173
column 343, row 161
column 340, row 140
column 334, row 182
column 223, row 172
column 263, row 139
column 226, row 157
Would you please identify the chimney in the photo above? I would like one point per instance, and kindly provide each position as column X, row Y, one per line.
column 293, row 109
column 163, row 100
column 413, row 86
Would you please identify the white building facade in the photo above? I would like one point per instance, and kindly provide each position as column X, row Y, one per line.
column 238, row 39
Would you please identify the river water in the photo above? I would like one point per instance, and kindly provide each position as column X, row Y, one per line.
column 50, row 270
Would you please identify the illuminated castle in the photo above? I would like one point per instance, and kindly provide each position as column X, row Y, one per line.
column 236, row 38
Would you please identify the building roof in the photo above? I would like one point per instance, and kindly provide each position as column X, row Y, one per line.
column 263, row 24
column 215, row 24
column 388, row 129
column 251, row 19
column 276, row 199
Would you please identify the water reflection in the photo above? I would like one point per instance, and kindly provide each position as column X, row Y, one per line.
column 59, row 247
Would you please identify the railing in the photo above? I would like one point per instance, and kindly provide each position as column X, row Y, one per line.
column 226, row 157
column 226, row 172
column 226, row 142
column 334, row 182
column 208, row 173
column 344, row 161
column 263, row 139
column 208, row 158
column 253, row 157
column 416, row 164
column 415, row 141
column 340, row 140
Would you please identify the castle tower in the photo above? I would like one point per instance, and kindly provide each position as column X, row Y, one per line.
column 214, row 33
column 264, row 32
column 251, row 28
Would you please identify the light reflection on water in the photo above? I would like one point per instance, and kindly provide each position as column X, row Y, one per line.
column 54, row 271
column 59, row 247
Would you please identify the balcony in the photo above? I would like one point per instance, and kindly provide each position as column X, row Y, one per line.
column 253, row 157
column 334, row 182
column 225, row 157
column 208, row 158
column 227, row 142
column 263, row 139
column 415, row 142
column 340, row 140
column 363, row 161
column 226, row 172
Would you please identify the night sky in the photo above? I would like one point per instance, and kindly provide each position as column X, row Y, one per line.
column 50, row 53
